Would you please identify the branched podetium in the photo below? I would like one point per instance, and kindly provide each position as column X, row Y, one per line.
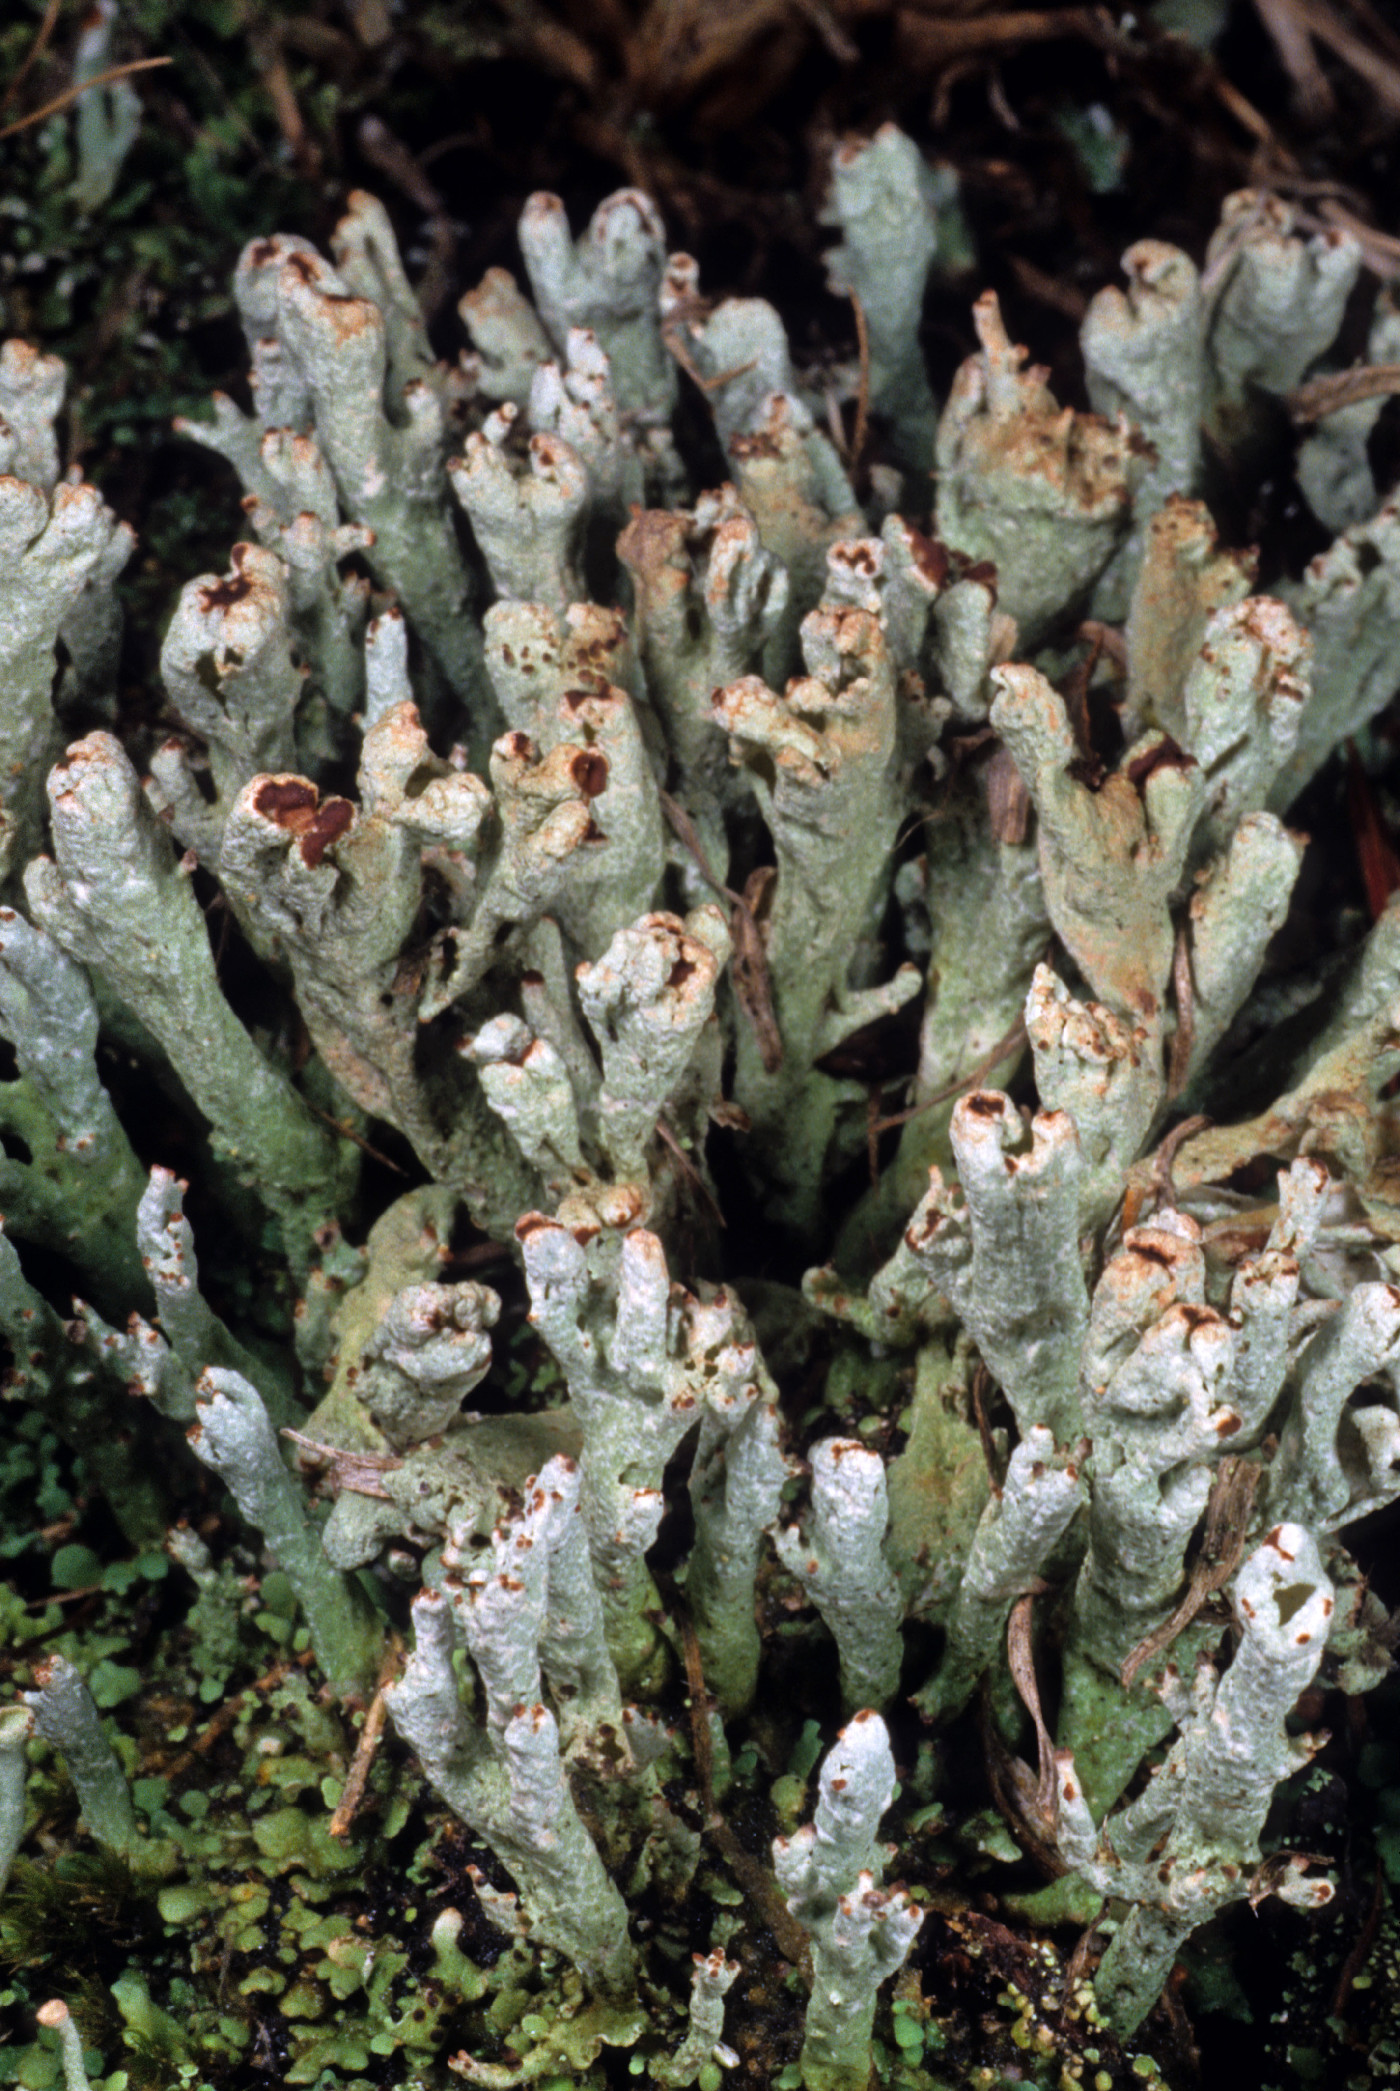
column 679, row 813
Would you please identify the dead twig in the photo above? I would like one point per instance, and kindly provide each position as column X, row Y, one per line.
column 367, row 1748
column 347, row 1132
column 1007, row 1043
column 721, row 377
column 981, row 1384
column 1109, row 640
column 752, row 983
column 1061, row 297
column 34, row 53
column 1020, row 1656
column 71, row 94
column 1008, row 801
column 228, row 1713
column 1289, row 31
column 1248, row 117
column 1326, row 395
column 1222, row 1549
column 405, row 170
column 873, row 1104
column 1016, row 1793
column 673, row 341
column 358, row 1472
column 934, row 37
column 1077, row 1966
column 1384, row 33
column 1182, row 2031
column 1380, row 250
column 1328, row 28
column 858, row 440
column 270, row 59
column 828, row 29
column 755, row 1879
column 477, row 1256
column 1152, row 1178
column 1361, row 1946
column 62, row 1597
column 689, row 1170
column 1167, row 1152
column 1380, row 867
column 1184, row 1036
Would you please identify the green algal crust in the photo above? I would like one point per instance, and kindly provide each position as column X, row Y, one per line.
column 830, row 1871
column 216, row 1618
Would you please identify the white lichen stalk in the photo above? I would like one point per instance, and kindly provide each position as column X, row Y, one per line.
column 729, row 789
column 830, row 1871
